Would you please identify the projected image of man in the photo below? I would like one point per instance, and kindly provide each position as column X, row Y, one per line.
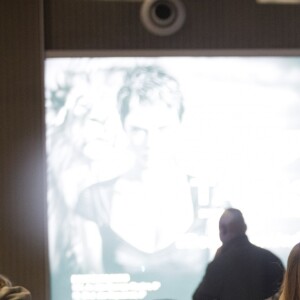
column 143, row 213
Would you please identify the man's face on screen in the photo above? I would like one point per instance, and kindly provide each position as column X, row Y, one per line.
column 152, row 132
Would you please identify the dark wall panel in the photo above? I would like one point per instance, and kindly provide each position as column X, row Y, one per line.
column 23, row 255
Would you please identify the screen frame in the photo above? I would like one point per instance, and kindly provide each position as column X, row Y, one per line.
column 173, row 53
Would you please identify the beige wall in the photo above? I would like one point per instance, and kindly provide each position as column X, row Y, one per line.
column 89, row 25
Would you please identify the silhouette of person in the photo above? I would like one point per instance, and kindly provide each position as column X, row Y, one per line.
column 240, row 270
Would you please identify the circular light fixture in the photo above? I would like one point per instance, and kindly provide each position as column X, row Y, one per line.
column 163, row 17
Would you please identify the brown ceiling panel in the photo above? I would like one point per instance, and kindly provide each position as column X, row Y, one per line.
column 210, row 24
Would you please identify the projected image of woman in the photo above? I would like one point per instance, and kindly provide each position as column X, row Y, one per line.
column 145, row 213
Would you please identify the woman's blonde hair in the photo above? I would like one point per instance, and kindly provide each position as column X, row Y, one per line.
column 291, row 284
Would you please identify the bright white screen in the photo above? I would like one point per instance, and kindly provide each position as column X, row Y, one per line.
column 133, row 206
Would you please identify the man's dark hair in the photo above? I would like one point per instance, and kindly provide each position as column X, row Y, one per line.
column 149, row 85
column 237, row 223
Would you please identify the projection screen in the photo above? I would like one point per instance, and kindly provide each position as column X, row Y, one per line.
column 145, row 153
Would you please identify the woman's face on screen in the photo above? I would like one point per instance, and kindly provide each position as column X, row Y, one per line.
column 152, row 133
